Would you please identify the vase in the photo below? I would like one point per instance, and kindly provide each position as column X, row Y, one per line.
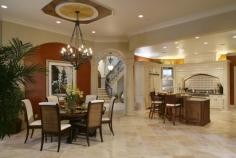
column 71, row 106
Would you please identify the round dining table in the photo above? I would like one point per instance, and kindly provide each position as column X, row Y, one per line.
column 76, row 115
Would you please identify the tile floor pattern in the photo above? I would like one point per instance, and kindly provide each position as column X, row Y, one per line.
column 139, row 137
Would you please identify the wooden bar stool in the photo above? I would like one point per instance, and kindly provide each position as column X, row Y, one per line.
column 155, row 105
column 172, row 105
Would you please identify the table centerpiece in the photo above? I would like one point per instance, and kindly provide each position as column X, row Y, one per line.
column 73, row 98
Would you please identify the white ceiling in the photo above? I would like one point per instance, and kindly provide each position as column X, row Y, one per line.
column 218, row 43
column 123, row 22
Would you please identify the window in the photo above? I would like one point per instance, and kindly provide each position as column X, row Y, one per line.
column 167, row 79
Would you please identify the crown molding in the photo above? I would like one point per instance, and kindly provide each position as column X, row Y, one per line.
column 184, row 19
column 102, row 39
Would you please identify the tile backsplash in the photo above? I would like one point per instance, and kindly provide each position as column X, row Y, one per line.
column 202, row 82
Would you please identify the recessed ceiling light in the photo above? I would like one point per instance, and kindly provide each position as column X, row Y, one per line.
column 176, row 42
column 178, row 47
column 196, row 53
column 234, row 36
column 165, row 47
column 140, row 16
column 206, row 43
column 197, row 37
column 4, row 6
column 58, row 22
column 93, row 32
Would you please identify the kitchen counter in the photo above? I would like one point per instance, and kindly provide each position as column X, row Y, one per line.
column 197, row 99
column 197, row 111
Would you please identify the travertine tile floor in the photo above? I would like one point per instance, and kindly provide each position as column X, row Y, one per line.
column 139, row 137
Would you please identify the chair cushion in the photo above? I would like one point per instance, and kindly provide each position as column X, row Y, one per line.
column 172, row 104
column 36, row 123
column 157, row 102
column 65, row 126
column 105, row 119
column 48, row 103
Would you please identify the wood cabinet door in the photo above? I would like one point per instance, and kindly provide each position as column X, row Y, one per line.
column 193, row 112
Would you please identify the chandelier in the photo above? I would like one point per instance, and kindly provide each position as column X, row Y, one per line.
column 110, row 65
column 76, row 51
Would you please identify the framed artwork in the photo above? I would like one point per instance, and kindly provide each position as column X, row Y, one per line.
column 60, row 76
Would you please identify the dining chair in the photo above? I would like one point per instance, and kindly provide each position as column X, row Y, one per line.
column 93, row 120
column 89, row 98
column 108, row 119
column 156, row 101
column 172, row 104
column 51, row 122
column 31, row 122
column 53, row 98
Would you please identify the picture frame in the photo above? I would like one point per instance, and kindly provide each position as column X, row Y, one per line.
column 60, row 75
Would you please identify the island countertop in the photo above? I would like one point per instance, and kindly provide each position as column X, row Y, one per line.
column 197, row 99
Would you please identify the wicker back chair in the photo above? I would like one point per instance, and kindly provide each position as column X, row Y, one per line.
column 95, row 114
column 50, row 117
column 31, row 123
column 93, row 120
column 108, row 119
column 51, row 122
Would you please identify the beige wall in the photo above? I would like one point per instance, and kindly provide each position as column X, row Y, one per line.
column 213, row 24
column 0, row 32
column 29, row 34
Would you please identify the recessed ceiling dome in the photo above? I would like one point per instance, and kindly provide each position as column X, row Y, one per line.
column 89, row 11
column 67, row 11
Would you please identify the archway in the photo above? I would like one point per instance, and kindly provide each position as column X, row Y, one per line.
column 111, row 73
column 120, row 93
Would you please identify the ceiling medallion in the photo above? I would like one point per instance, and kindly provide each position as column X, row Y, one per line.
column 65, row 9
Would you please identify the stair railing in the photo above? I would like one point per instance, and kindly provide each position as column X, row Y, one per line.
column 108, row 88
column 112, row 76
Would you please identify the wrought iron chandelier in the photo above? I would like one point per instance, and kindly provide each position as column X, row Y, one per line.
column 110, row 65
column 76, row 51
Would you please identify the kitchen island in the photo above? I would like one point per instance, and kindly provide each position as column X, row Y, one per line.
column 196, row 111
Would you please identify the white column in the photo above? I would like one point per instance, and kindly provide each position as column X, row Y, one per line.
column 130, row 86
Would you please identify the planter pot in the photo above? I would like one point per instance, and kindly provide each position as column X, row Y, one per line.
column 16, row 126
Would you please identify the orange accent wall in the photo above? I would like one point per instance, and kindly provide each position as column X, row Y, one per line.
column 36, row 91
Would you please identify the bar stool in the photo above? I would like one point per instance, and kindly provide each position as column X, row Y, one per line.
column 156, row 101
column 172, row 105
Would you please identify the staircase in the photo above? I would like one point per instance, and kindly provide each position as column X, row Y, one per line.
column 113, row 76
column 102, row 94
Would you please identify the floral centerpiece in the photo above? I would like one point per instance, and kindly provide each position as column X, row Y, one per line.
column 73, row 97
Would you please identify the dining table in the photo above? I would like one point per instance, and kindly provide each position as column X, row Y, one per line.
column 75, row 115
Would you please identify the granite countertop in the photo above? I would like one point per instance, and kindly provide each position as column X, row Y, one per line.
column 197, row 99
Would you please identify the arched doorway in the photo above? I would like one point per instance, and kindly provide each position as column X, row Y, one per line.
column 111, row 74
column 120, row 92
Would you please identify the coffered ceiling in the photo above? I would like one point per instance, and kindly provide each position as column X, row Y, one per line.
column 124, row 20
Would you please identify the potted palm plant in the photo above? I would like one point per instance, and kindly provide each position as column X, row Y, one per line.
column 13, row 74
